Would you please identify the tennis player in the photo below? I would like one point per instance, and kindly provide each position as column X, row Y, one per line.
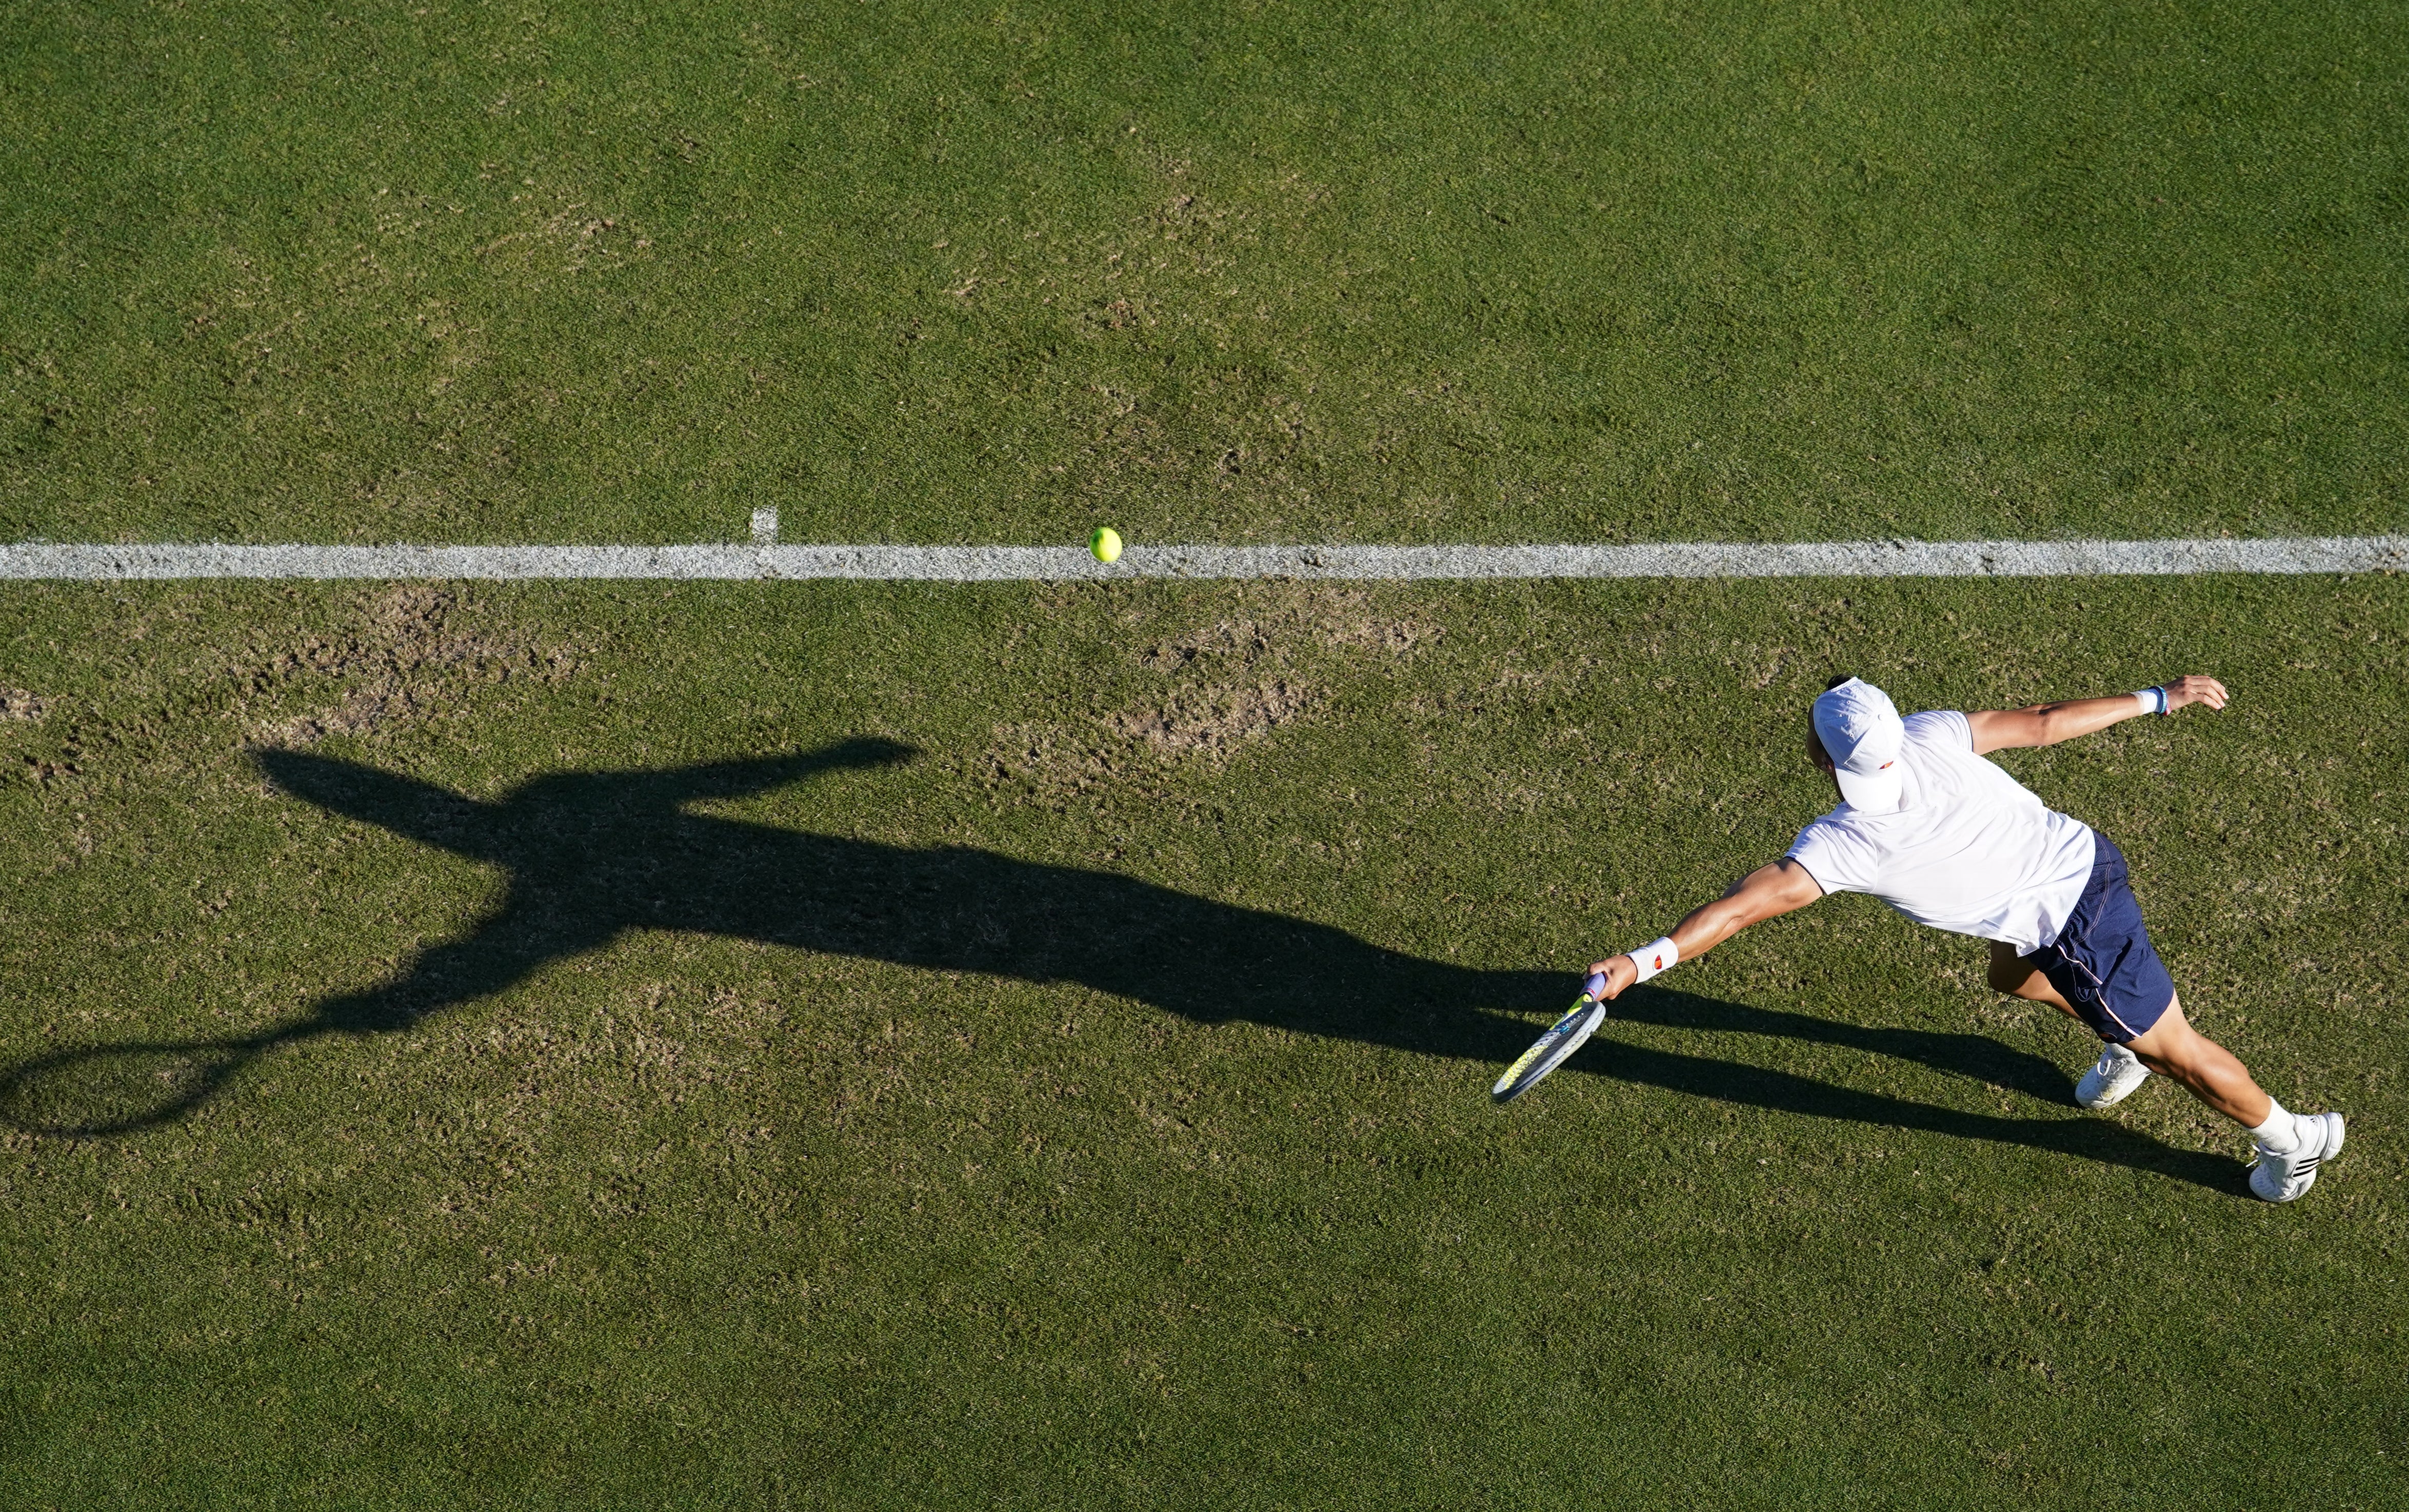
column 1949, row 839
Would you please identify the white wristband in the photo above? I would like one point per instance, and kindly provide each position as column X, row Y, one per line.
column 1658, row 955
column 2154, row 700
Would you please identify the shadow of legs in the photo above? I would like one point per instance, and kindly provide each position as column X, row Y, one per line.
column 1975, row 1055
column 1781, row 1091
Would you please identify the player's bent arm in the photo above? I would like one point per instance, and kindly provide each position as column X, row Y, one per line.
column 1769, row 892
column 2046, row 724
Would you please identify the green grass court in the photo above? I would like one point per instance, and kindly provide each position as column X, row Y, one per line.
column 868, row 1046
column 1276, row 272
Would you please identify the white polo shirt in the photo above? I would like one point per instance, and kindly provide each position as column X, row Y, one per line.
column 1971, row 850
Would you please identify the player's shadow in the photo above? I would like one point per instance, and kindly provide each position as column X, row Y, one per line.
column 590, row 856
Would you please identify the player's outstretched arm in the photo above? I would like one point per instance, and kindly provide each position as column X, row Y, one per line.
column 2046, row 724
column 1767, row 892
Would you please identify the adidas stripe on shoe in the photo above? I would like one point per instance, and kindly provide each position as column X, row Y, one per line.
column 2281, row 1178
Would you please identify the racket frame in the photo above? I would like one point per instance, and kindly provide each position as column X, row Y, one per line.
column 1565, row 1037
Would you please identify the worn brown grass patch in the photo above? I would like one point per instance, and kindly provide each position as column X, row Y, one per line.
column 1212, row 720
column 1285, row 623
column 412, row 652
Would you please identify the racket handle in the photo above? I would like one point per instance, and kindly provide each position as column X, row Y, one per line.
column 1594, row 987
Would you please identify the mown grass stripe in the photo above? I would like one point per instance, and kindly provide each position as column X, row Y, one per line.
column 990, row 564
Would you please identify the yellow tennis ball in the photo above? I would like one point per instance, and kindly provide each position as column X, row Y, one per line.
column 1106, row 543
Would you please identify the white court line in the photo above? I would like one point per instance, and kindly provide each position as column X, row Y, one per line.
column 995, row 564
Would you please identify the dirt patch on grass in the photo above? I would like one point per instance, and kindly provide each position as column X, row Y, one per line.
column 1264, row 663
column 1117, row 315
column 1208, row 721
column 1211, row 721
column 571, row 233
column 413, row 653
column 1050, row 758
column 16, row 703
column 1291, row 623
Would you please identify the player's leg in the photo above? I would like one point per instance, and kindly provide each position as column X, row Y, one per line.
column 2019, row 977
column 2291, row 1146
column 2206, row 1069
column 2134, row 1009
column 2117, row 1073
column 2139, row 1036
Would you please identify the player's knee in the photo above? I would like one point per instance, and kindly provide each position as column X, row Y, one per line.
column 2178, row 1050
column 2170, row 1060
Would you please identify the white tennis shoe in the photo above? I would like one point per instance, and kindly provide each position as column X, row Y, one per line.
column 2280, row 1178
column 2110, row 1079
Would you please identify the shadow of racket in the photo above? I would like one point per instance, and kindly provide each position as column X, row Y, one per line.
column 102, row 1089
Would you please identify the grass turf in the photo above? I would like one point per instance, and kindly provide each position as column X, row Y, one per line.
column 1442, row 272
column 843, row 1046
column 1091, row 1108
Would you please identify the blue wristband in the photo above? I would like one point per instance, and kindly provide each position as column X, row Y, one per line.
column 2155, row 699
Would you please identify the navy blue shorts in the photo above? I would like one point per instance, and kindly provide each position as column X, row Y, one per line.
column 2102, row 961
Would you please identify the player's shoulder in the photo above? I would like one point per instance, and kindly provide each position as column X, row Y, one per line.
column 1948, row 728
column 1843, row 826
column 1837, row 851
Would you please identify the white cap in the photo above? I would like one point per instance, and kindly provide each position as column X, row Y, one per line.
column 1863, row 735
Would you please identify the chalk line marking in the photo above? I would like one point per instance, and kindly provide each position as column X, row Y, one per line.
column 1017, row 564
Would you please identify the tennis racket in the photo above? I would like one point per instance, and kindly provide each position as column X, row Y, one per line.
column 1556, row 1046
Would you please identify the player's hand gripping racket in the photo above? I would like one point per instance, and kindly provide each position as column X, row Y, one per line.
column 1556, row 1046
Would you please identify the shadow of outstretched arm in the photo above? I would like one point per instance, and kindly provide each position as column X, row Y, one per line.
column 499, row 953
column 743, row 779
column 417, row 810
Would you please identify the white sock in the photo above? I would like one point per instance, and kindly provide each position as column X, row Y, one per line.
column 2121, row 1053
column 2280, row 1134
